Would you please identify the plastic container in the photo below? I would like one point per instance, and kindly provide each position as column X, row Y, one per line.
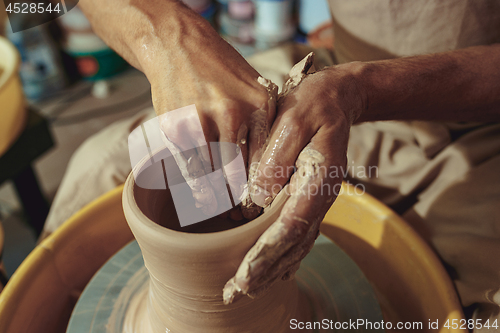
column 237, row 30
column 12, row 108
column 241, row 10
column 41, row 71
column 273, row 22
column 312, row 14
column 95, row 60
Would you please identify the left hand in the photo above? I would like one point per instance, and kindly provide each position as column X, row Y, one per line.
column 311, row 130
column 205, row 92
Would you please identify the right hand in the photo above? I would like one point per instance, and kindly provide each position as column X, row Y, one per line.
column 232, row 106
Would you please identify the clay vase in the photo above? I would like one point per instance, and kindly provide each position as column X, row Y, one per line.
column 188, row 270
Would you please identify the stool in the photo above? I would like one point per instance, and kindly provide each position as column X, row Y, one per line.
column 16, row 165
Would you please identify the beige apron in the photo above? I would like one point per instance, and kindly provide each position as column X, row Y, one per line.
column 443, row 178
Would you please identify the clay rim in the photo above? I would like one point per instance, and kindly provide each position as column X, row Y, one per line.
column 132, row 210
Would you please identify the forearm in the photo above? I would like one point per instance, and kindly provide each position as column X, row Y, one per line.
column 143, row 31
column 461, row 85
column 183, row 57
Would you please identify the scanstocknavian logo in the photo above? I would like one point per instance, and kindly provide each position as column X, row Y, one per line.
column 205, row 179
column 27, row 14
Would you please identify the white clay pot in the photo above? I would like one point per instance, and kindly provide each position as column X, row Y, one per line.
column 187, row 271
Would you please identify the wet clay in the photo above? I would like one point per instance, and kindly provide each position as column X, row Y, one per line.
column 297, row 74
column 189, row 268
column 261, row 126
column 278, row 251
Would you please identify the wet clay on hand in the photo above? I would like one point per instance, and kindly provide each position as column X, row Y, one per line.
column 262, row 126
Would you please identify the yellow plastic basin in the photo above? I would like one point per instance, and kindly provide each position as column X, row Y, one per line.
column 410, row 281
column 407, row 276
column 12, row 109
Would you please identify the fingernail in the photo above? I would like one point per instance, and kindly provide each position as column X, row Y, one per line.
column 260, row 196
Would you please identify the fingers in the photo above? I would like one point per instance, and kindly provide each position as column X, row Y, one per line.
column 284, row 264
column 207, row 168
column 289, row 264
column 260, row 125
column 260, row 122
column 280, row 247
column 186, row 141
column 232, row 150
column 289, row 136
column 256, row 145
column 292, row 236
column 276, row 164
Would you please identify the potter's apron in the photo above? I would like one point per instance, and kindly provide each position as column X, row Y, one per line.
column 443, row 178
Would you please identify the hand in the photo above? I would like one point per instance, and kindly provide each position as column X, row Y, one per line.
column 234, row 104
column 188, row 63
column 311, row 130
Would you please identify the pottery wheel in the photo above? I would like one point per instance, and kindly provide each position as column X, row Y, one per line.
column 335, row 287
